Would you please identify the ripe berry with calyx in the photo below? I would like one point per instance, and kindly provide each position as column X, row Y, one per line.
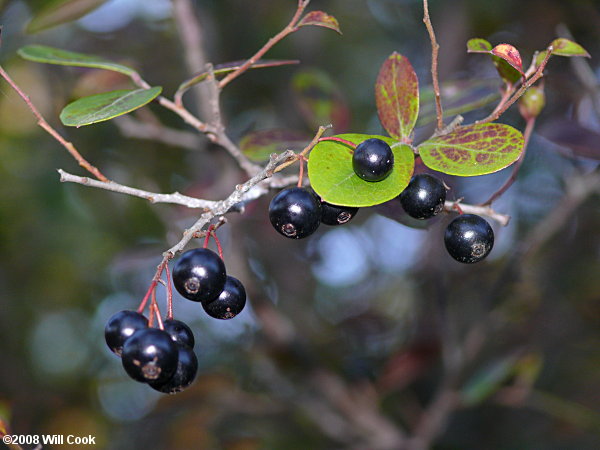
column 199, row 275
column 424, row 196
column 229, row 303
column 179, row 332
column 295, row 213
column 469, row 238
column 373, row 160
column 336, row 215
column 121, row 326
column 150, row 355
column 184, row 375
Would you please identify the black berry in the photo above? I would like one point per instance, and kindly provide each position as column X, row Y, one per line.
column 121, row 326
column 179, row 332
column 469, row 238
column 150, row 355
column 199, row 275
column 336, row 215
column 295, row 213
column 229, row 303
column 424, row 196
column 184, row 375
column 373, row 160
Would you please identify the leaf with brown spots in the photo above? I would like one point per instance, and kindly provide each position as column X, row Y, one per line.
column 397, row 97
column 473, row 150
column 478, row 45
column 509, row 54
column 565, row 47
column 320, row 19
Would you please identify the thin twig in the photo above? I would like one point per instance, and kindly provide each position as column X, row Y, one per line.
column 290, row 28
column 46, row 126
column 434, row 66
column 137, row 129
column 174, row 198
column 306, row 149
column 191, row 37
column 480, row 210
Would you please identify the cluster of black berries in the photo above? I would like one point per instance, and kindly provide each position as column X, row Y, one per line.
column 297, row 212
column 468, row 238
column 200, row 276
column 164, row 359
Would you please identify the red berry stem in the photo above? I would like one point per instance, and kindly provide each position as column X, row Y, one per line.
column 207, row 237
column 169, row 294
column 218, row 242
column 352, row 145
column 154, row 307
column 301, row 158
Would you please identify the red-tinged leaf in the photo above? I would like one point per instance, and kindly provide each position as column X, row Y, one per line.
column 397, row 96
column 258, row 145
column 478, row 45
column 320, row 19
column 473, row 150
column 578, row 141
column 320, row 101
column 509, row 54
column 565, row 47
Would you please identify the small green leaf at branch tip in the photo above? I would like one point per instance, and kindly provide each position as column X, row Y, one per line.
column 473, row 150
column 565, row 47
column 332, row 176
column 478, row 45
column 225, row 68
column 57, row 12
column 51, row 55
column 397, row 96
column 106, row 106
column 320, row 19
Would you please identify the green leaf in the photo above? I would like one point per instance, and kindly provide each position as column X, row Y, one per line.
column 473, row 150
column 101, row 107
column 258, row 145
column 565, row 47
column 319, row 100
column 57, row 12
column 51, row 55
column 225, row 68
column 320, row 19
column 332, row 176
column 397, row 96
column 478, row 45
column 487, row 381
column 539, row 59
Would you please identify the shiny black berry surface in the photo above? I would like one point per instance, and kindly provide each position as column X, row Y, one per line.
column 229, row 303
column 187, row 366
column 179, row 332
column 469, row 238
column 199, row 275
column 121, row 326
column 336, row 215
column 373, row 160
column 150, row 355
column 424, row 196
column 295, row 213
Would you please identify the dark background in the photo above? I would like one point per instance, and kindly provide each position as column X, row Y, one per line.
column 347, row 334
